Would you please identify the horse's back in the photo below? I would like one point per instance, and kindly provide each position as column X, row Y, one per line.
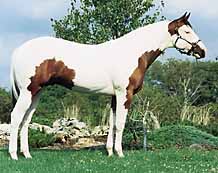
column 84, row 60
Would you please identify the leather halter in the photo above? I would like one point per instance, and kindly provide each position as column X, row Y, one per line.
column 182, row 50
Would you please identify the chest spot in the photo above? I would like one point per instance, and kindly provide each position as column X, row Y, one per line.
column 137, row 77
column 51, row 72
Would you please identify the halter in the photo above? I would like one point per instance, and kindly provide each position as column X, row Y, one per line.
column 182, row 51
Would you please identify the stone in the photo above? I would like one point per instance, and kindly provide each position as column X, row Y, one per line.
column 196, row 146
column 68, row 132
column 41, row 128
column 5, row 129
column 80, row 125
column 100, row 131
column 4, row 133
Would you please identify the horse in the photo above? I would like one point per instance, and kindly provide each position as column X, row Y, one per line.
column 116, row 68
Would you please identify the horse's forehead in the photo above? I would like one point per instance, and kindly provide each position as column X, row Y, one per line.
column 186, row 27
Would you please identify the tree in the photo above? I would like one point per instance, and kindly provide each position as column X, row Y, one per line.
column 97, row 21
column 173, row 75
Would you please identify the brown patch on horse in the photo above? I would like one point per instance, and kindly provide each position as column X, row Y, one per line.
column 51, row 72
column 137, row 77
column 176, row 24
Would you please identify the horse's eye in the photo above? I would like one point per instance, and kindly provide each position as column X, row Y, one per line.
column 187, row 32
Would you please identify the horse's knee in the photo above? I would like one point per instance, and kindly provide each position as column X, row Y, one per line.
column 119, row 127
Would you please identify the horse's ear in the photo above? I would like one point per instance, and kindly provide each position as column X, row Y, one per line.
column 175, row 24
column 187, row 16
column 184, row 17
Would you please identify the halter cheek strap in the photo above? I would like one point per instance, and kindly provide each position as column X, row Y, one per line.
column 182, row 51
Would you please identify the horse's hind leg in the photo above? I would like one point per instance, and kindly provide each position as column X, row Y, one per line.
column 24, row 145
column 17, row 115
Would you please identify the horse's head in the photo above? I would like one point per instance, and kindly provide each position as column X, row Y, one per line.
column 184, row 39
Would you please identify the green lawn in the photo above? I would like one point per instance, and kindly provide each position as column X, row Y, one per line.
column 166, row 161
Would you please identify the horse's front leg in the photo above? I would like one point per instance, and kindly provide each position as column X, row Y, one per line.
column 110, row 138
column 121, row 113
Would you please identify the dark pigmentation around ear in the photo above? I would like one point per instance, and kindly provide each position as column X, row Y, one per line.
column 177, row 23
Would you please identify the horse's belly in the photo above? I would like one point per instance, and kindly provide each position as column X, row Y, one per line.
column 93, row 81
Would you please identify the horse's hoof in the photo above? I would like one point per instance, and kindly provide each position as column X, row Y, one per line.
column 110, row 152
column 14, row 155
column 120, row 154
column 27, row 154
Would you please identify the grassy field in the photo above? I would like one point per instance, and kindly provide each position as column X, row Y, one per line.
column 163, row 161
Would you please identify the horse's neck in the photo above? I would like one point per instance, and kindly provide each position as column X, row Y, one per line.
column 145, row 39
column 156, row 39
column 156, row 35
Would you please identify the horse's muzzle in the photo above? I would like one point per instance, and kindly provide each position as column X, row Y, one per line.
column 198, row 52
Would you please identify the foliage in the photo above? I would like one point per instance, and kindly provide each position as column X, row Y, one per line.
column 50, row 107
column 172, row 136
column 166, row 108
column 180, row 136
column 198, row 115
column 39, row 139
column 5, row 106
column 96, row 161
column 172, row 74
column 99, row 21
column 91, row 107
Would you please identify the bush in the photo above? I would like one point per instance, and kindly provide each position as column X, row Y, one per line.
column 5, row 106
column 171, row 136
column 91, row 106
column 180, row 136
column 39, row 139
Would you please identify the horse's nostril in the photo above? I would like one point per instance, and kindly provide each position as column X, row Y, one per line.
column 200, row 52
column 203, row 53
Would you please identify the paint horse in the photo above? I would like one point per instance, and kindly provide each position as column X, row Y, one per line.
column 115, row 68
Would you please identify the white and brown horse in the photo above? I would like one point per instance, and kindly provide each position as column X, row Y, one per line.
column 115, row 68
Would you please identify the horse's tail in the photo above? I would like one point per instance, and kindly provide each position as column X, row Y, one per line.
column 15, row 91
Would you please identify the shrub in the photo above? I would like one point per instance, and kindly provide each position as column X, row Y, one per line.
column 172, row 136
column 39, row 139
column 166, row 108
column 5, row 106
column 180, row 136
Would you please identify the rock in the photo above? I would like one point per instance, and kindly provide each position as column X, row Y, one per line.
column 68, row 132
column 61, row 137
column 80, row 125
column 56, row 124
column 71, row 122
column 196, row 146
column 84, row 142
column 41, row 128
column 100, row 131
column 4, row 132
column 5, row 129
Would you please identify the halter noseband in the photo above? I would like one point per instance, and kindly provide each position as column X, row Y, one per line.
column 182, row 51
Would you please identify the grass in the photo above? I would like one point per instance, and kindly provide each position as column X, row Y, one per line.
column 162, row 161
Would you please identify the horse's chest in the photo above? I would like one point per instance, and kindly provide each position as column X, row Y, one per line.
column 137, row 77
